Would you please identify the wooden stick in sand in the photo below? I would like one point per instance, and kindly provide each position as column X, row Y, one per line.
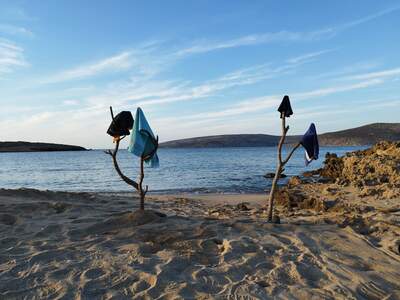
column 137, row 186
column 280, row 167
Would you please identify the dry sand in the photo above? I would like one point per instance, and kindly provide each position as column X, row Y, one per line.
column 56, row 245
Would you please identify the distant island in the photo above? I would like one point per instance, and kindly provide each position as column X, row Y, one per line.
column 36, row 147
column 364, row 135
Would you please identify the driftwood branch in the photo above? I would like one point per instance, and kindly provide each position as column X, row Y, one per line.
column 142, row 193
column 138, row 186
column 285, row 129
column 280, row 166
column 291, row 153
column 113, row 154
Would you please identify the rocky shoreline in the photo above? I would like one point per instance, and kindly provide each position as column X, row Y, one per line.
column 360, row 190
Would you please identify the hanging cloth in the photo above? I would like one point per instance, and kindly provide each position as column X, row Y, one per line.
column 285, row 108
column 143, row 143
column 310, row 143
column 121, row 124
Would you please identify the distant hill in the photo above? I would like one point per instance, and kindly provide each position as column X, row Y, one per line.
column 364, row 135
column 227, row 140
column 36, row 147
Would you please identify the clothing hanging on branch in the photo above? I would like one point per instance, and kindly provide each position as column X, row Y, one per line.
column 310, row 143
column 121, row 124
column 285, row 108
column 143, row 142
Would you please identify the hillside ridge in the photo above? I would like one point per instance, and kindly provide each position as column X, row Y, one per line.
column 363, row 135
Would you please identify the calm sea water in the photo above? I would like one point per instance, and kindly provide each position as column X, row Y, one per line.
column 227, row 170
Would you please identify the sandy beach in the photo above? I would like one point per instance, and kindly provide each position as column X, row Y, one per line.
column 338, row 238
column 229, row 150
column 59, row 245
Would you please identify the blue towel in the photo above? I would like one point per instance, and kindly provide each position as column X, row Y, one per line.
column 143, row 142
column 310, row 143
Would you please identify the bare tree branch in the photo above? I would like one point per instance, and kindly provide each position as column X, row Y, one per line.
column 113, row 154
column 290, row 154
column 142, row 193
column 279, row 168
column 282, row 139
column 137, row 185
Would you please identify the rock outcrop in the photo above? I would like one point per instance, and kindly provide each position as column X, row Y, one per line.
column 372, row 172
column 376, row 166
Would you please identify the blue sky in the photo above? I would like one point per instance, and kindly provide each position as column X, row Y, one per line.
column 195, row 67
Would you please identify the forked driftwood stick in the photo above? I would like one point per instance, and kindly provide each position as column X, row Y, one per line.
column 137, row 186
column 113, row 154
column 142, row 193
column 280, row 166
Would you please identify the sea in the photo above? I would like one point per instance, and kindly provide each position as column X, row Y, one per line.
column 197, row 171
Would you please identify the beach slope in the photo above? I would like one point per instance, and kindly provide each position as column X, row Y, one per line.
column 91, row 246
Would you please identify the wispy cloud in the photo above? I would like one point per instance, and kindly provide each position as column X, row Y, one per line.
column 367, row 18
column 131, row 58
column 308, row 56
column 344, row 72
column 260, row 103
column 255, row 111
column 246, row 76
column 242, row 77
column 382, row 103
column 121, row 61
column 332, row 31
column 154, row 92
column 205, row 45
column 375, row 75
column 246, row 106
column 319, row 111
column 143, row 61
column 336, row 89
column 15, row 30
column 11, row 57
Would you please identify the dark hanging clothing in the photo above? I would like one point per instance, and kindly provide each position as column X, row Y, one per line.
column 285, row 108
column 310, row 143
column 121, row 124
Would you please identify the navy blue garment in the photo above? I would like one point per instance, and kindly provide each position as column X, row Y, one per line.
column 285, row 108
column 310, row 143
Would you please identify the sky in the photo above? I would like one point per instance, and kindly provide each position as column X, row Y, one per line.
column 196, row 68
